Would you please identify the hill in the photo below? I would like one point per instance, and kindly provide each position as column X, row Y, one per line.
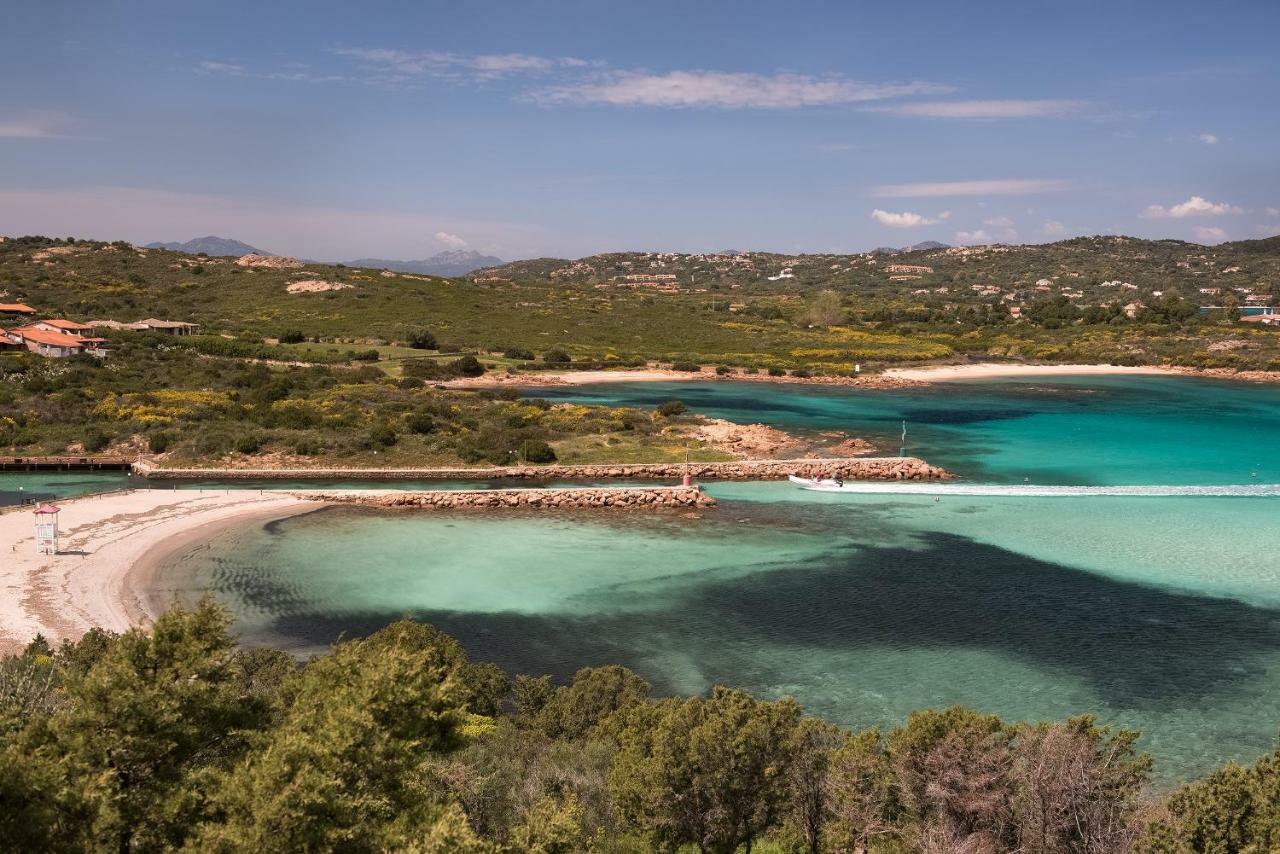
column 454, row 262
column 927, row 244
column 214, row 246
column 1090, row 299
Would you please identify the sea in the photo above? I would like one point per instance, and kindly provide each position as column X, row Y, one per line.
column 1111, row 546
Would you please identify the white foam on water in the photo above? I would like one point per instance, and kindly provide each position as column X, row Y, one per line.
column 1028, row 490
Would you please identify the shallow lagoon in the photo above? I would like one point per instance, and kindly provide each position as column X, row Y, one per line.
column 1161, row 613
column 1081, row 430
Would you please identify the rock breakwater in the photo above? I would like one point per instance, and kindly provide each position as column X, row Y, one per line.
column 617, row 497
column 861, row 468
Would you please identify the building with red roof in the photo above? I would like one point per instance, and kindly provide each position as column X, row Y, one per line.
column 55, row 344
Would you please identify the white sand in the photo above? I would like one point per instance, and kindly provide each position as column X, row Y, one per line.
column 107, row 547
column 942, row 373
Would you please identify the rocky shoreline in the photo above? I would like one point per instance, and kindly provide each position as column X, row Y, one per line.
column 619, row 497
column 859, row 468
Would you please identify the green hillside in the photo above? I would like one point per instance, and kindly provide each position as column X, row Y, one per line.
column 834, row 311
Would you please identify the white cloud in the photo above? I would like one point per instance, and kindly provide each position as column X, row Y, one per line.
column 978, row 236
column 1209, row 138
column 1053, row 228
column 727, row 90
column 906, row 219
column 990, row 109
column 298, row 72
column 450, row 241
column 998, row 222
column 1194, row 206
column 397, row 65
column 1000, row 187
column 42, row 125
column 1210, row 234
column 1273, row 211
column 231, row 68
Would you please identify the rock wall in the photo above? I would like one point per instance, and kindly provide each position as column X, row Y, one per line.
column 620, row 497
column 863, row 468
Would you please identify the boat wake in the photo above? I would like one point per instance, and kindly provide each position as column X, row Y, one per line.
column 1034, row 490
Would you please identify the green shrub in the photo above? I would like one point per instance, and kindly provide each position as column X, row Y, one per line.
column 95, row 441
column 520, row 353
column 158, row 443
column 467, row 366
column 556, row 357
column 364, row 356
column 248, row 444
column 723, row 370
column 213, row 444
column 777, row 372
column 382, row 436
column 801, row 373
column 307, row 447
column 422, row 339
column 689, row 367
column 671, row 408
column 537, row 451
column 421, row 423
column 292, row 336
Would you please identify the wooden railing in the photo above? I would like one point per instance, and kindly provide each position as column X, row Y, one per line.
column 65, row 463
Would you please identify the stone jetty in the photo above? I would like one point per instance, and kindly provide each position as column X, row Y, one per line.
column 860, row 468
column 614, row 497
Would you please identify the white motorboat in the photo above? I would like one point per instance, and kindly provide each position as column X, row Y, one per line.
column 823, row 485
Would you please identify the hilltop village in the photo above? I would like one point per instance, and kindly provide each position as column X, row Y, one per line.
column 1086, row 272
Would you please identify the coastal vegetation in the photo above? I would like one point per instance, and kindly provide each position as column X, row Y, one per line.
column 177, row 739
column 1105, row 299
column 171, row 397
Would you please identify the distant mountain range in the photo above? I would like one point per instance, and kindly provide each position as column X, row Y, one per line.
column 454, row 262
column 211, row 245
column 918, row 247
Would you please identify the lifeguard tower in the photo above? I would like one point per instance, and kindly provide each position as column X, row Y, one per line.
column 47, row 529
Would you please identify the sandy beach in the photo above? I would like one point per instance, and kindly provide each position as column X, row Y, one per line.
column 108, row 546
column 990, row 370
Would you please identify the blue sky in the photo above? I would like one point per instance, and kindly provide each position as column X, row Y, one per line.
column 397, row 129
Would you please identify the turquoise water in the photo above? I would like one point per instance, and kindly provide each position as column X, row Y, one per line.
column 1159, row 612
column 1084, row 430
column 21, row 486
column 42, row 486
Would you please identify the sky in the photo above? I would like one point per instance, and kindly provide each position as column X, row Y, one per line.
column 523, row 129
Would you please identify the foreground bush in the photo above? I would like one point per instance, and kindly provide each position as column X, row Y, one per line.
column 178, row 740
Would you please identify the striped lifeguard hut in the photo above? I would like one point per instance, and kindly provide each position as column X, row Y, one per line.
column 47, row 529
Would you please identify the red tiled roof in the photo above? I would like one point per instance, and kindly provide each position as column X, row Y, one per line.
column 66, row 324
column 53, row 339
column 16, row 308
